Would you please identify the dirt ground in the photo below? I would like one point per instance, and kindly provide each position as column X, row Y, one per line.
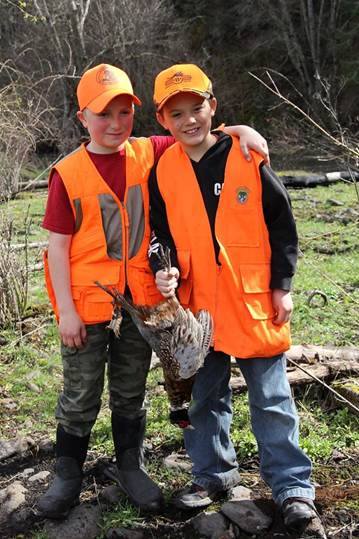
column 337, row 498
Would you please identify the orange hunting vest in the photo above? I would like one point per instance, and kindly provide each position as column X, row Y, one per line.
column 236, row 292
column 111, row 237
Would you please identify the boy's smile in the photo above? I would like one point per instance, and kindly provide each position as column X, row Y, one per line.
column 110, row 128
column 189, row 117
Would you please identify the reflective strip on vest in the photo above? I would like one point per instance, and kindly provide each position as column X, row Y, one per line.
column 111, row 222
column 136, row 214
column 78, row 214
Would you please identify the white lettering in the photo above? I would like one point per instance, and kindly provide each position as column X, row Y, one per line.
column 217, row 189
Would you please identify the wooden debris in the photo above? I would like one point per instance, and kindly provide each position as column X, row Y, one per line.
column 348, row 389
column 326, row 363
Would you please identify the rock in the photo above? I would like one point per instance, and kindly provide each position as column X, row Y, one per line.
column 46, row 446
column 19, row 445
column 82, row 523
column 33, row 387
column 240, row 493
column 11, row 498
column 334, row 202
column 247, row 516
column 41, row 476
column 27, row 472
column 179, row 461
column 124, row 533
column 9, row 404
column 112, row 494
column 19, row 519
column 315, row 530
column 210, row 524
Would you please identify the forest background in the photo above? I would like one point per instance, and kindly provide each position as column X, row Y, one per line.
column 310, row 48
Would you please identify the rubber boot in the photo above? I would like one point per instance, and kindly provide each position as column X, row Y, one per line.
column 64, row 491
column 132, row 477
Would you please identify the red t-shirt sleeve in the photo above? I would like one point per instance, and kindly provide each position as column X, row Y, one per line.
column 59, row 216
column 160, row 144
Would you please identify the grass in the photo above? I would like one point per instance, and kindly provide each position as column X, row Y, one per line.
column 30, row 367
column 333, row 229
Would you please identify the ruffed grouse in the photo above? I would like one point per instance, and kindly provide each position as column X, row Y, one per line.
column 180, row 340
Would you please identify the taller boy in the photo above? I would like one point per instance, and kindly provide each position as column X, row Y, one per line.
column 230, row 228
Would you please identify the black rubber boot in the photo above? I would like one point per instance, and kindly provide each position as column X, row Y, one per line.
column 64, row 491
column 132, row 477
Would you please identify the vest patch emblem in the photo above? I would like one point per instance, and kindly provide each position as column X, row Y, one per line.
column 242, row 194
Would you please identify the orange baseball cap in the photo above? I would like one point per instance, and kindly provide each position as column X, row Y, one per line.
column 102, row 83
column 180, row 78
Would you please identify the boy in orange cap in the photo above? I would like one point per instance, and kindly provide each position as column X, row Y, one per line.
column 229, row 226
column 98, row 218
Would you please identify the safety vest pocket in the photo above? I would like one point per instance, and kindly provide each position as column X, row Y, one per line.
column 257, row 295
column 96, row 306
column 255, row 277
column 86, row 244
column 243, row 230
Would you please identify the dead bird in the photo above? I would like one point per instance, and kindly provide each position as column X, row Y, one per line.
column 179, row 338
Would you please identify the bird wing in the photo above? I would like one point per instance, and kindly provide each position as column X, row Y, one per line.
column 205, row 320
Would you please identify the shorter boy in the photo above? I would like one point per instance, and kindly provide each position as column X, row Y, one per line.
column 229, row 225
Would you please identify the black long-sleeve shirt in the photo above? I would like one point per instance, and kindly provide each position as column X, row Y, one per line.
column 277, row 211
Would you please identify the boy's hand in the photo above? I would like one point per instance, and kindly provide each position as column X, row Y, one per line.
column 72, row 330
column 283, row 306
column 167, row 282
column 250, row 139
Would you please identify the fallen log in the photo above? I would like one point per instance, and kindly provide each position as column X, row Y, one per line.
column 30, row 245
column 349, row 389
column 330, row 356
column 33, row 185
column 309, row 353
column 325, row 371
column 312, row 180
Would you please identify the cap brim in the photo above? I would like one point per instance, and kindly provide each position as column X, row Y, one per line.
column 206, row 95
column 100, row 102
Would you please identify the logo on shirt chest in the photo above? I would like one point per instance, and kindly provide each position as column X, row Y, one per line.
column 242, row 194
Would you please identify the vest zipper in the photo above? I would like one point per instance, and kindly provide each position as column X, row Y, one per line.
column 125, row 242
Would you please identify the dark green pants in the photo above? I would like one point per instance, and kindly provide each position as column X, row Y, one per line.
column 128, row 358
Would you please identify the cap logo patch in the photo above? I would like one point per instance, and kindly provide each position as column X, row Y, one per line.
column 177, row 78
column 242, row 194
column 106, row 76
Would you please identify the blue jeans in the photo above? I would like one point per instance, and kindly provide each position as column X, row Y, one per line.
column 283, row 465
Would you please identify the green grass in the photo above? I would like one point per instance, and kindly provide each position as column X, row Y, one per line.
column 30, row 367
column 329, row 263
column 122, row 515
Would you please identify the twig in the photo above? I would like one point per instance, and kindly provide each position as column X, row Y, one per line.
column 304, row 241
column 16, row 341
column 275, row 90
column 340, row 397
column 30, row 183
